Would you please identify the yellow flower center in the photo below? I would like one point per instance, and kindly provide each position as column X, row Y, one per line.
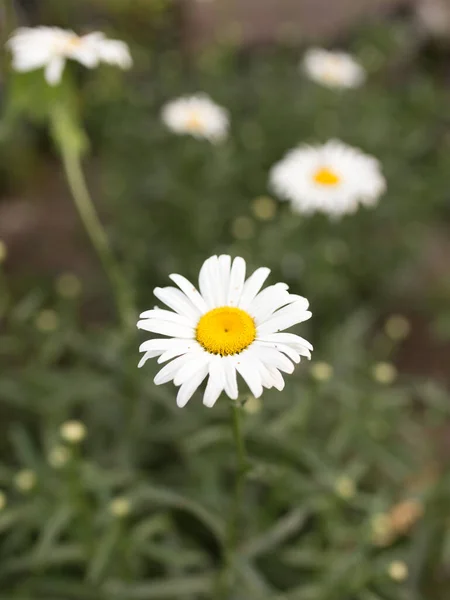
column 332, row 70
column 325, row 176
column 225, row 330
column 193, row 122
column 71, row 43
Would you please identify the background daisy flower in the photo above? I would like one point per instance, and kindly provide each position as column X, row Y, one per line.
column 229, row 327
column 333, row 178
column 198, row 116
column 50, row 47
column 333, row 69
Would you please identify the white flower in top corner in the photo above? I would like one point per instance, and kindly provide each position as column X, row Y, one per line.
column 226, row 328
column 333, row 69
column 198, row 116
column 50, row 47
column 333, row 178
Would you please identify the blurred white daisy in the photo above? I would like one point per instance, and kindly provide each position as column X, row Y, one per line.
column 198, row 116
column 333, row 69
column 49, row 47
column 229, row 327
column 333, row 178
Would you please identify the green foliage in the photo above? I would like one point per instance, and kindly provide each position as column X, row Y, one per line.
column 138, row 509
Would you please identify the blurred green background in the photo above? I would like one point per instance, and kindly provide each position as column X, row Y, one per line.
column 349, row 492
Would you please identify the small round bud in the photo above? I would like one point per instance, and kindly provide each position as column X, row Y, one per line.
column 384, row 373
column 345, row 487
column 120, row 507
column 321, row 371
column 264, row 208
column 47, row 321
column 68, row 285
column 243, row 228
column 381, row 529
column 398, row 570
column 58, row 456
column 397, row 327
column 73, row 432
column 252, row 405
column 25, row 480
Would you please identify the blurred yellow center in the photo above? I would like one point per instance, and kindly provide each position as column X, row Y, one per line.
column 225, row 330
column 325, row 176
column 73, row 42
column 193, row 122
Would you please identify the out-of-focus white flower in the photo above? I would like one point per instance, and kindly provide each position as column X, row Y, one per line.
column 50, row 47
column 229, row 327
column 73, row 432
column 198, row 116
column 333, row 178
column 333, row 69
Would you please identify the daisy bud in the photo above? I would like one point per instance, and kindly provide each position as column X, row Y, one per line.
column 384, row 373
column 398, row 571
column 120, row 507
column 73, row 432
column 25, row 480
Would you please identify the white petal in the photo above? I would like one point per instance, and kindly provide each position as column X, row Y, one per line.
column 297, row 342
column 277, row 378
column 237, row 279
column 161, row 344
column 86, row 54
column 268, row 301
column 180, row 348
column 252, row 286
column 224, row 267
column 54, row 69
column 288, row 350
column 196, row 361
column 190, row 290
column 147, row 355
column 229, row 368
column 168, row 372
column 216, row 381
column 178, row 302
column 166, row 315
column 166, row 328
column 209, row 282
column 272, row 358
column 189, row 387
column 284, row 318
column 247, row 367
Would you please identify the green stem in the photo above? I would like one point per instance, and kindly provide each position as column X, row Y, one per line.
column 71, row 160
column 227, row 573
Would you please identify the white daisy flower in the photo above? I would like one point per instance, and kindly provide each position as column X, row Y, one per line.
column 229, row 327
column 333, row 178
column 198, row 116
column 333, row 69
column 50, row 47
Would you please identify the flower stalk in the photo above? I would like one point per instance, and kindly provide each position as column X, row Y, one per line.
column 71, row 151
column 227, row 574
